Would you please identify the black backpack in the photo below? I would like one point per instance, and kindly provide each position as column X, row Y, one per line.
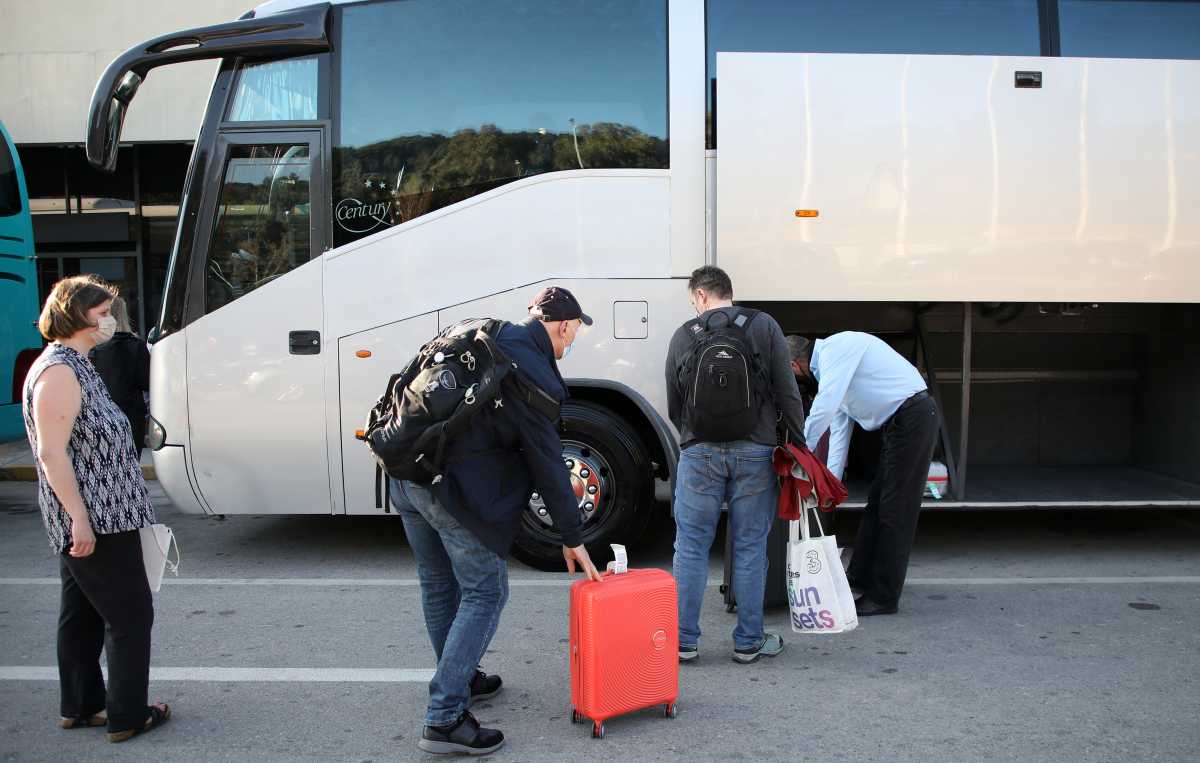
column 724, row 385
column 455, row 376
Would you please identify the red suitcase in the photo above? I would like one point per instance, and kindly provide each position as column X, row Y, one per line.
column 624, row 646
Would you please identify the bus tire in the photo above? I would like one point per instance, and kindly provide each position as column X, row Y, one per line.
column 601, row 451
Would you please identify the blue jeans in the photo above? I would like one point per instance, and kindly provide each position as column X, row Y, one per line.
column 464, row 586
column 740, row 474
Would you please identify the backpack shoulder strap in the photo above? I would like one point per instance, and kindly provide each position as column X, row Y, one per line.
column 489, row 335
column 534, row 396
column 750, row 314
column 742, row 319
column 738, row 318
column 492, row 327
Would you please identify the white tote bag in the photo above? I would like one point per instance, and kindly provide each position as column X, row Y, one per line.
column 818, row 592
column 156, row 546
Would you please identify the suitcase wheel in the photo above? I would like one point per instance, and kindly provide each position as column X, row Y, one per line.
column 575, row 716
column 724, row 589
column 597, row 731
column 672, row 710
column 731, row 607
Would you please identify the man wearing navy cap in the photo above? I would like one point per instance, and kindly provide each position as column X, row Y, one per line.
column 460, row 529
column 560, row 314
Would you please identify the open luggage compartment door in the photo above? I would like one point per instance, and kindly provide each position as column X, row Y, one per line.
column 950, row 178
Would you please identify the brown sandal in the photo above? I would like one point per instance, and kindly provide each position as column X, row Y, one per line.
column 83, row 721
column 159, row 714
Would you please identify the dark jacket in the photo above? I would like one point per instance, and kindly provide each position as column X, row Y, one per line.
column 124, row 365
column 510, row 452
column 768, row 342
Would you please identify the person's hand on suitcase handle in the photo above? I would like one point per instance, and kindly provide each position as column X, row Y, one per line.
column 580, row 554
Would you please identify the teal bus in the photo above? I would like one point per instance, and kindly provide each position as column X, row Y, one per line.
column 20, row 342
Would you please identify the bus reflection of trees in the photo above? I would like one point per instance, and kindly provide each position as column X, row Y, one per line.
column 420, row 173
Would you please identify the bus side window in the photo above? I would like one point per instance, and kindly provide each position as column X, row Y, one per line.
column 262, row 220
column 480, row 93
column 1129, row 29
column 276, row 91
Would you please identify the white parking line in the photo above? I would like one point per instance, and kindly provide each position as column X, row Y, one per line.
column 547, row 582
column 256, row 675
column 560, row 582
column 1130, row 580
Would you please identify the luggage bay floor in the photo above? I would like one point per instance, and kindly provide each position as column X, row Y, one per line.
column 1051, row 486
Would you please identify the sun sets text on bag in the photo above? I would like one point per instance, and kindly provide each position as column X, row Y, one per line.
column 813, row 619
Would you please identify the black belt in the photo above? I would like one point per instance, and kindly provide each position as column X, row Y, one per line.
column 914, row 398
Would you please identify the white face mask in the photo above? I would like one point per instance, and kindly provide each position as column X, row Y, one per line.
column 106, row 327
column 567, row 348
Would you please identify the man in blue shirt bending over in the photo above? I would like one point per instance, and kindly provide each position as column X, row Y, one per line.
column 861, row 379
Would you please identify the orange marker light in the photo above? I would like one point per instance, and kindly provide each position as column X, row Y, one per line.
column 363, row 353
column 359, row 433
column 807, row 212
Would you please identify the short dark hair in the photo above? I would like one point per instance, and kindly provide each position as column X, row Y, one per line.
column 65, row 311
column 713, row 280
column 799, row 347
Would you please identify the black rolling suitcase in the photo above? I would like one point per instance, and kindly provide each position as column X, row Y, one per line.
column 776, row 590
column 775, row 594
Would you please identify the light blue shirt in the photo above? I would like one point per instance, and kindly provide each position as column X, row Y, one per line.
column 861, row 379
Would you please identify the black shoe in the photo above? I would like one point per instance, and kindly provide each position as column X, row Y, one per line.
column 484, row 686
column 464, row 736
column 866, row 606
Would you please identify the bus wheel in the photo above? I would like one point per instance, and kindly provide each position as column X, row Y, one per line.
column 610, row 473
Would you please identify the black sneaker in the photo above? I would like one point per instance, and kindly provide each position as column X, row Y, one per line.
column 484, row 686
column 464, row 736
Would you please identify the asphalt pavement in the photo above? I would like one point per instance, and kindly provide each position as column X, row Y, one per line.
column 1021, row 636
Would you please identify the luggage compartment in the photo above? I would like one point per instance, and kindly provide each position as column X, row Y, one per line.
column 1087, row 405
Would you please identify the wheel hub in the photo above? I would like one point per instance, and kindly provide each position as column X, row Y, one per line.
column 590, row 480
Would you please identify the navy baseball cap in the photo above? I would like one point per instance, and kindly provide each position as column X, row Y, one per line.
column 554, row 303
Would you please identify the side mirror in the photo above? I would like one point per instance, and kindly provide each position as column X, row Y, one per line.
column 102, row 144
column 285, row 34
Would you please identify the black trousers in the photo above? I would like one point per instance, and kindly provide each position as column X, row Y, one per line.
column 889, row 523
column 106, row 604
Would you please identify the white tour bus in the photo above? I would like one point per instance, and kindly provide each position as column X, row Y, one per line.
column 1000, row 188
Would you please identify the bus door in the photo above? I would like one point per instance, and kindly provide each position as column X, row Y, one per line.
column 256, row 359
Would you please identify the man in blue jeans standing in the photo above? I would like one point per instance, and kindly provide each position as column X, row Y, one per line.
column 461, row 527
column 729, row 377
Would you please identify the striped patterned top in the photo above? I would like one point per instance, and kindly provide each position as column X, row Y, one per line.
column 102, row 453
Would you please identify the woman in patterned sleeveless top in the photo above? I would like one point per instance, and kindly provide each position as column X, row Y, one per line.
column 93, row 501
